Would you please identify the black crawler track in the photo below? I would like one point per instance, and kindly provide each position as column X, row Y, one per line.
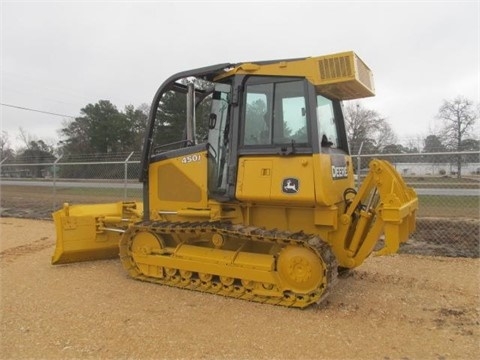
column 211, row 283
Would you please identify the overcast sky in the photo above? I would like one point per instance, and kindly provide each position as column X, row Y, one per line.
column 60, row 56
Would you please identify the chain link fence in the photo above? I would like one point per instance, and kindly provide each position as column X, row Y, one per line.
column 448, row 189
column 36, row 187
column 447, row 184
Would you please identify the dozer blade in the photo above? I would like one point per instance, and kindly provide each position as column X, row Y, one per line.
column 92, row 232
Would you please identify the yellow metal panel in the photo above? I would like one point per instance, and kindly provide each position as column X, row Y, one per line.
column 326, row 216
column 179, row 182
column 333, row 174
column 213, row 264
column 174, row 185
column 255, row 261
column 266, row 180
column 300, row 168
column 211, row 255
column 254, row 179
column 342, row 76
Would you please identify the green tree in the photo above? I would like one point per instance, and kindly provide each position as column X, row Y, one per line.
column 395, row 149
column 138, row 120
column 109, row 130
column 76, row 135
column 37, row 151
column 470, row 145
column 433, row 144
column 170, row 120
column 100, row 129
column 171, row 115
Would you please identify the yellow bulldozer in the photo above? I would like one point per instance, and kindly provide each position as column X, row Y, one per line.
column 261, row 207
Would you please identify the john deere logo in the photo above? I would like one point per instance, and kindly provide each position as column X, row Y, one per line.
column 290, row 186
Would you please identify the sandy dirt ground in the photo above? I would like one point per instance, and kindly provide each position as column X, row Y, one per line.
column 397, row 307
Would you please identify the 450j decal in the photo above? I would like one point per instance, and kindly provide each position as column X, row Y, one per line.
column 191, row 158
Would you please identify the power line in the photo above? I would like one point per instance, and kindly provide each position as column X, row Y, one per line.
column 35, row 110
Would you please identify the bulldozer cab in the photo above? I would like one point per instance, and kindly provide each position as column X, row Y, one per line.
column 259, row 115
column 275, row 118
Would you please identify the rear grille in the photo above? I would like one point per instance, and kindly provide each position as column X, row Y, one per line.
column 335, row 67
column 364, row 74
column 343, row 76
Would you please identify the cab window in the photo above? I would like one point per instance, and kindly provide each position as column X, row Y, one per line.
column 275, row 114
column 327, row 127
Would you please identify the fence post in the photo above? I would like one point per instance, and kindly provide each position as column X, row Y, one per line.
column 126, row 176
column 55, row 182
column 1, row 162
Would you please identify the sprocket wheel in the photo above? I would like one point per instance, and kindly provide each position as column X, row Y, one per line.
column 300, row 269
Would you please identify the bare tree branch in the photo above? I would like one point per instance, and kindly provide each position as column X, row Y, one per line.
column 368, row 127
column 459, row 118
